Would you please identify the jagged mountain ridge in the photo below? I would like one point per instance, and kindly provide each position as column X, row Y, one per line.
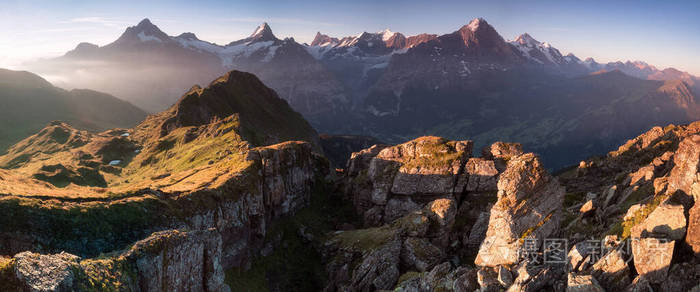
column 373, row 49
column 361, row 84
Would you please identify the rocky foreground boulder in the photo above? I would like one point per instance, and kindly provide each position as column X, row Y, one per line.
column 428, row 207
column 528, row 209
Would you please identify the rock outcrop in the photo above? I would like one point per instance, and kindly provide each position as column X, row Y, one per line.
column 428, row 200
column 165, row 261
column 387, row 181
column 528, row 208
column 652, row 258
column 415, row 241
column 39, row 272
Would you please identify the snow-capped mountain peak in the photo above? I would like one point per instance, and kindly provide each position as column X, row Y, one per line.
column 386, row 34
column 475, row 23
column 262, row 33
column 144, row 32
column 526, row 39
column 324, row 40
column 539, row 52
column 189, row 40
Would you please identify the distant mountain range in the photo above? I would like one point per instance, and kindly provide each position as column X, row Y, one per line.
column 28, row 103
column 471, row 83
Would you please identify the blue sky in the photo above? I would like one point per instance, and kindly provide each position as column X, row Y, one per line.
column 662, row 33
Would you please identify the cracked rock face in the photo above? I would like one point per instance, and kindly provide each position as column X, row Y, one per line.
column 169, row 260
column 652, row 258
column 385, row 183
column 528, row 205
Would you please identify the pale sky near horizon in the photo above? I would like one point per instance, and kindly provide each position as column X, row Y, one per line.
column 661, row 33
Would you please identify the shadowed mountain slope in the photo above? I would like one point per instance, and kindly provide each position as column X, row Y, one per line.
column 29, row 102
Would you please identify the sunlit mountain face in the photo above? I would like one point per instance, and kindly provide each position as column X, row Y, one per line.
column 387, row 146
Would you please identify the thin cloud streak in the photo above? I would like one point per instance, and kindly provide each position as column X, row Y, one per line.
column 278, row 20
column 97, row 20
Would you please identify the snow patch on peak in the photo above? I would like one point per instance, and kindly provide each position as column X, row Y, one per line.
column 474, row 24
column 260, row 29
column 529, row 47
column 145, row 38
column 386, row 34
column 526, row 39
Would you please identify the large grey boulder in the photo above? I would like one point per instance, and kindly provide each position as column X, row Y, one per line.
column 652, row 257
column 667, row 220
column 692, row 237
column 43, row 273
column 528, row 207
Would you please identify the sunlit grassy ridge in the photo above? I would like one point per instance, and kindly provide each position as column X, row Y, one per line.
column 198, row 143
column 87, row 193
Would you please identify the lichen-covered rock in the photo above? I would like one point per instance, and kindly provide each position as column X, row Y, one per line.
column 686, row 161
column 582, row 283
column 667, row 220
column 400, row 176
column 528, row 205
column 43, row 273
column 359, row 187
column 363, row 259
column 612, row 270
column 373, row 258
column 360, row 160
column 420, row 254
column 631, row 212
column 438, row 278
column 442, row 214
column 692, row 237
column 179, row 261
column 502, row 150
column 479, row 175
column 169, row 260
column 652, row 258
